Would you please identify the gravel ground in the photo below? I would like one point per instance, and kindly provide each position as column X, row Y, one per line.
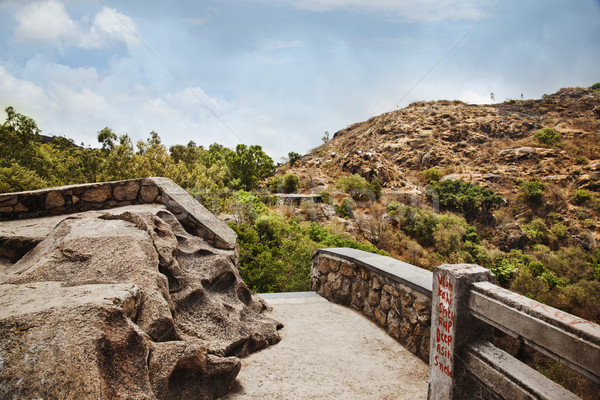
column 329, row 352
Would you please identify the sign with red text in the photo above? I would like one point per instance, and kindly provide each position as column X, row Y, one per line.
column 441, row 356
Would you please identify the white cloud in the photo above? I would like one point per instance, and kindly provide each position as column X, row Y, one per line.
column 416, row 10
column 20, row 93
column 110, row 26
column 48, row 21
column 45, row 21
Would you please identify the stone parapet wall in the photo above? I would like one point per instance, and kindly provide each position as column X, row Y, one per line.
column 100, row 196
column 395, row 295
column 77, row 198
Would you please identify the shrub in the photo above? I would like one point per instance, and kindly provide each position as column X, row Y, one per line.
column 533, row 191
column 596, row 87
column 547, row 136
column 276, row 184
column 268, row 229
column 356, row 186
column 506, row 265
column 559, row 231
column 470, row 200
column 581, row 196
column 375, row 187
column 17, row 179
column 290, row 183
column 248, row 206
column 293, row 157
column 432, row 175
column 326, row 197
column 346, row 208
column 537, row 231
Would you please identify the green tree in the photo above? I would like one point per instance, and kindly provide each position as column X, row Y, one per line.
column 290, row 183
column 248, row 166
column 19, row 142
column 107, row 138
column 471, row 200
column 293, row 157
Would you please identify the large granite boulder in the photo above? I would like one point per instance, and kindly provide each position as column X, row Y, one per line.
column 125, row 303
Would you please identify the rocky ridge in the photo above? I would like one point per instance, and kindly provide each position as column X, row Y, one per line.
column 490, row 145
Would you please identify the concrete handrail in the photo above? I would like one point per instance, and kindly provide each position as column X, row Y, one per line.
column 463, row 361
column 572, row 341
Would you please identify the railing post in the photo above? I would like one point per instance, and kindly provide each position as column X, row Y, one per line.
column 452, row 327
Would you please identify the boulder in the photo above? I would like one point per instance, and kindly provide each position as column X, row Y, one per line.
column 126, row 303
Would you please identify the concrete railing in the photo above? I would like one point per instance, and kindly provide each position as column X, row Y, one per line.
column 464, row 364
column 394, row 294
column 448, row 318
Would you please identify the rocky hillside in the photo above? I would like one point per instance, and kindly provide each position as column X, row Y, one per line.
column 490, row 145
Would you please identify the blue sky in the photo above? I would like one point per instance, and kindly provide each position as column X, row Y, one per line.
column 279, row 73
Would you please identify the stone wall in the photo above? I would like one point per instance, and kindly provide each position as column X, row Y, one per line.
column 100, row 196
column 394, row 294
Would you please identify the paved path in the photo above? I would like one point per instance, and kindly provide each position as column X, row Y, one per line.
column 329, row 352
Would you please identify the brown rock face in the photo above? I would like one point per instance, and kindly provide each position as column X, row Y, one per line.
column 123, row 304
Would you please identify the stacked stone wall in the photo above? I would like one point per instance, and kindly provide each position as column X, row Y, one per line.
column 77, row 198
column 101, row 196
column 405, row 313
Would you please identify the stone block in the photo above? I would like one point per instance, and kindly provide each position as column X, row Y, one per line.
column 127, row 191
column 346, row 270
column 380, row 316
column 376, row 283
column 385, row 301
column 406, row 298
column 374, row 298
column 391, row 289
column 97, row 194
column 323, row 265
column 334, row 265
column 410, row 314
column 148, row 194
column 6, row 201
column 20, row 207
column 393, row 324
column 54, row 199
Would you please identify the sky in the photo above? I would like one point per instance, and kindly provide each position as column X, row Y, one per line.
column 278, row 73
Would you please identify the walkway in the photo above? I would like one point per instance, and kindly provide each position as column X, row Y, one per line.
column 329, row 352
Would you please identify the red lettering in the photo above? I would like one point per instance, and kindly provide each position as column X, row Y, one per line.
column 443, row 367
column 442, row 337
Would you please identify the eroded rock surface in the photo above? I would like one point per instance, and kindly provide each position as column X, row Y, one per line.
column 121, row 304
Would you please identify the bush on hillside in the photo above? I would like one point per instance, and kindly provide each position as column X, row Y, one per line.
column 471, row 200
column 290, row 183
column 533, row 191
column 547, row 136
column 432, row 175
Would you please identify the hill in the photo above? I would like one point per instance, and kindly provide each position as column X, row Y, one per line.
column 434, row 162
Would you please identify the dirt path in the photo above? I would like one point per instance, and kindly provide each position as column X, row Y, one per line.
column 329, row 352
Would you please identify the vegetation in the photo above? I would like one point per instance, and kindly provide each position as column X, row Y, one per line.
column 359, row 188
column 548, row 136
column 293, row 157
column 432, row 175
column 471, row 200
column 290, row 183
column 533, row 191
column 550, row 264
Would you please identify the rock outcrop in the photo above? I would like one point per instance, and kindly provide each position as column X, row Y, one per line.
column 124, row 303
